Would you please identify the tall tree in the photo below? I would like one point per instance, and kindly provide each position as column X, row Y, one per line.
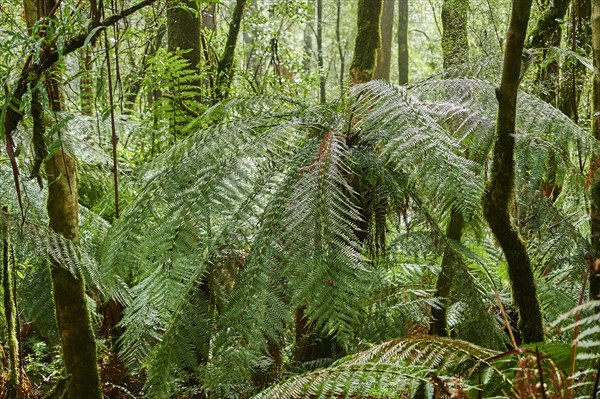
column 500, row 190
column 455, row 42
column 455, row 50
column 402, row 42
column 595, row 167
column 384, row 54
column 368, row 40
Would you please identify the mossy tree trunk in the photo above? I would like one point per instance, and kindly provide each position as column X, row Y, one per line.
column 595, row 167
column 455, row 42
column 368, row 40
column 10, row 311
column 455, row 50
column 402, row 42
column 320, row 64
column 183, row 31
column 547, row 33
column 72, row 314
column 384, row 54
column 497, row 201
column 225, row 65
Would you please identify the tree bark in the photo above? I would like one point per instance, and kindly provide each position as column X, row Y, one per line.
column 498, row 197
column 225, row 66
column 322, row 92
column 10, row 312
column 439, row 323
column 183, row 31
column 384, row 54
column 574, row 74
column 547, row 33
column 402, row 42
column 341, row 52
column 455, row 50
column 595, row 167
column 368, row 40
column 72, row 315
column 455, row 41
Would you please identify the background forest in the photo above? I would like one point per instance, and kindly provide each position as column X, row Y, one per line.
column 300, row 199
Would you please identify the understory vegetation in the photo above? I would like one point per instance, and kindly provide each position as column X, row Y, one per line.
column 246, row 199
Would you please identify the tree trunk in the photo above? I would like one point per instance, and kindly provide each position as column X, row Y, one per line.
column 439, row 322
column 500, row 190
column 384, row 54
column 595, row 167
column 183, row 37
column 341, row 52
column 183, row 30
column 368, row 40
column 10, row 312
column 322, row 93
column 402, row 42
column 574, row 74
column 225, row 67
column 455, row 50
column 72, row 314
column 455, row 41
column 547, row 33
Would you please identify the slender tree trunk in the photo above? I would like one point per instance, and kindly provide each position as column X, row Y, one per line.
column 322, row 76
column 574, row 74
column 402, row 42
column 86, row 87
column 384, row 54
column 341, row 52
column 455, row 42
column 595, row 167
column 500, row 190
column 368, row 40
column 225, row 67
column 10, row 312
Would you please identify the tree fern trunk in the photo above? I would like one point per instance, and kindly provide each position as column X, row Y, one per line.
column 368, row 40
column 595, row 167
column 498, row 197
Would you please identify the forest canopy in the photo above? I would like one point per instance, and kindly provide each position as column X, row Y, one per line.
column 300, row 199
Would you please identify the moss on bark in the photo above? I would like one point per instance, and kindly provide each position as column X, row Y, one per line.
column 10, row 310
column 498, row 197
column 72, row 315
column 368, row 40
column 455, row 42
